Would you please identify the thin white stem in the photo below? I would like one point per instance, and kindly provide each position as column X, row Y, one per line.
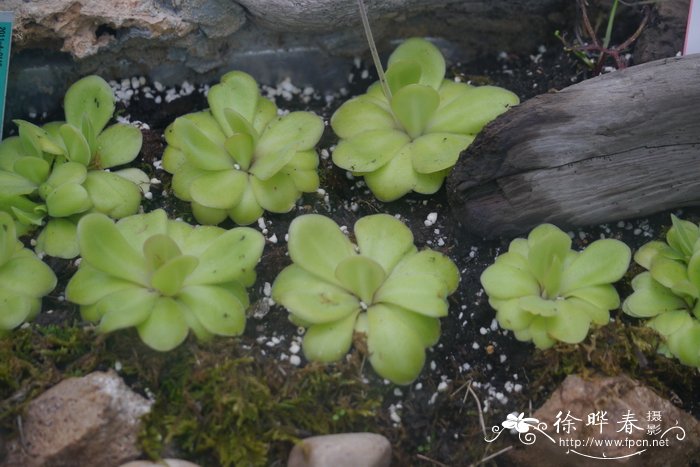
column 373, row 49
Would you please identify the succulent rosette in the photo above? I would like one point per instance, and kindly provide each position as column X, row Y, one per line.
column 24, row 278
column 544, row 291
column 59, row 170
column 382, row 288
column 410, row 140
column 164, row 277
column 668, row 293
column 239, row 158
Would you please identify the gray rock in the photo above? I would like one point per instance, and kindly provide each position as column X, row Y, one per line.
column 93, row 420
column 342, row 450
column 160, row 463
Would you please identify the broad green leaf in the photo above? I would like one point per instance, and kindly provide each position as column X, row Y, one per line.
column 369, row 150
column 166, row 327
column 248, row 209
column 424, row 53
column 245, row 90
column 361, row 276
column 11, row 149
column 539, row 306
column 77, row 147
column 119, row 144
column 328, row 342
column 201, row 151
column 158, row 250
column 427, row 184
column 88, row 285
column 112, row 194
column 514, row 260
column 206, row 215
column 89, row 133
column 136, row 176
column 602, row 262
column 204, row 121
column 519, row 246
column 670, row 322
column 125, row 308
column 396, row 351
column 598, row 315
column 503, row 282
column 13, row 184
column 570, row 324
column 310, row 298
column 220, row 190
column 437, row 151
column 34, row 169
column 39, row 138
column 646, row 254
column 183, row 179
column 104, row 247
column 91, row 96
column 651, row 301
column 694, row 269
column 471, row 111
column 668, row 272
column 240, row 146
column 68, row 173
column 450, row 90
column 306, row 181
column 602, row 296
column 264, row 168
column 59, row 239
column 359, row 115
column 685, row 344
column 27, row 275
column 14, row 309
column 401, row 73
column 173, row 159
column 317, row 245
column 239, row 94
column 538, row 332
column 197, row 239
column 510, row 316
column 419, row 292
column 139, row 228
column 547, row 249
column 228, row 256
column 304, row 160
column 26, row 212
column 277, row 194
column 433, row 263
column 67, row 200
column 168, row 278
column 384, row 239
column 427, row 328
column 8, row 237
column 394, row 179
column 413, row 106
column 297, row 131
column 219, row 311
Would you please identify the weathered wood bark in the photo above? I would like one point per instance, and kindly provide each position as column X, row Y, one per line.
column 621, row 145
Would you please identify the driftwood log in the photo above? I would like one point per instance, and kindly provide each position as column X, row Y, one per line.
column 621, row 145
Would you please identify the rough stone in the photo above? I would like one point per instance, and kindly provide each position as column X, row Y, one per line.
column 664, row 36
column 620, row 398
column 93, row 420
column 160, row 463
column 342, row 450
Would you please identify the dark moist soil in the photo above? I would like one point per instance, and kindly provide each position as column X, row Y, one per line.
column 439, row 422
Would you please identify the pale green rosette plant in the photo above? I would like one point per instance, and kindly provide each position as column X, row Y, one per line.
column 58, row 170
column 669, row 291
column 164, row 277
column 544, row 291
column 382, row 287
column 238, row 158
column 410, row 140
column 24, row 278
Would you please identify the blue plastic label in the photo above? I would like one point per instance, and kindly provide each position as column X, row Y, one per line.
column 6, row 20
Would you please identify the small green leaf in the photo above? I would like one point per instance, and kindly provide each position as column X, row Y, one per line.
column 646, row 254
column 27, row 275
column 394, row 179
column 437, row 151
column 433, row 263
column 328, row 342
column 67, row 200
column 502, row 281
column 158, row 250
column 240, row 93
column 264, row 168
column 384, row 239
column 168, row 278
column 117, row 145
column 112, row 194
column 248, row 209
column 538, row 332
column 104, row 247
column 685, row 344
column 570, row 324
column 427, row 55
column 8, row 237
column 510, row 316
column 297, row 131
column 670, row 322
column 139, row 228
column 425, row 327
column 401, row 73
column 34, row 169
column 125, row 308
column 360, row 275
column 264, row 114
column 306, row 181
column 419, row 292
column 427, row 184
column 88, row 285
column 166, row 327
column 13, row 184
column 602, row 296
column 276, row 194
column 219, row 190
column 413, row 106
column 59, row 239
column 173, row 159
column 668, row 272
column 651, row 300
column 77, row 147
column 682, row 236
column 317, row 245
column 240, row 146
column 602, row 262
column 91, row 96
column 370, row 150
column 219, row 311
column 14, row 309
column 63, row 174
column 201, row 151
column 471, row 111
column 547, row 249
column 539, row 306
column 396, row 351
column 310, row 298
column 183, row 179
column 359, row 115
column 38, row 138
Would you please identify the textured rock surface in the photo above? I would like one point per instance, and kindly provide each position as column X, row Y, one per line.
column 666, row 34
column 93, row 420
column 161, row 463
column 617, row 397
column 342, row 450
